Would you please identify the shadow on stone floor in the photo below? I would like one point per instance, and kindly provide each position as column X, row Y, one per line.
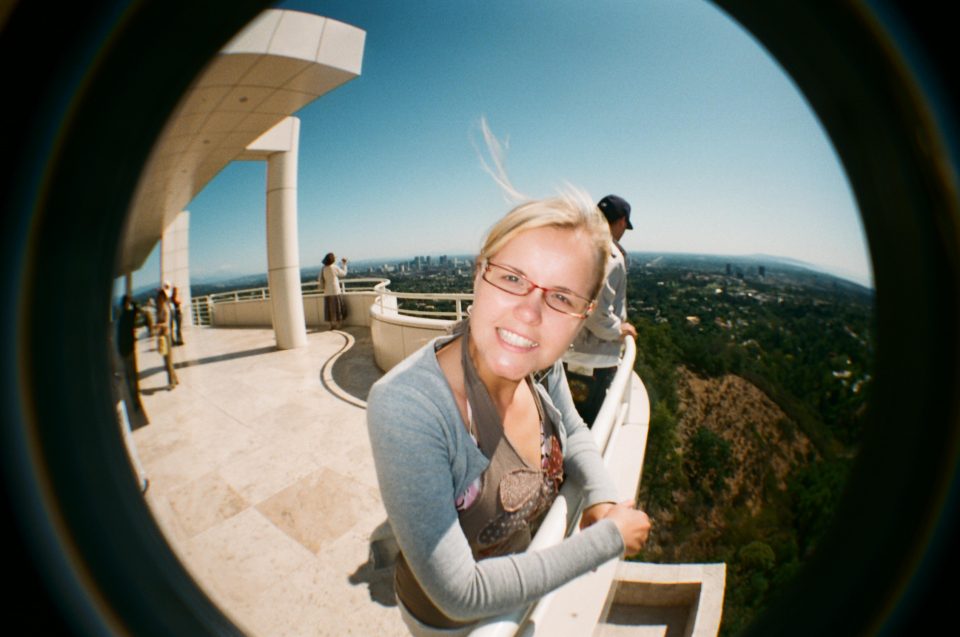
column 150, row 371
column 377, row 571
column 355, row 371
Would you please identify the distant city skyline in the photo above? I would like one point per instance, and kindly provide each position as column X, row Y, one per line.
column 746, row 264
column 670, row 104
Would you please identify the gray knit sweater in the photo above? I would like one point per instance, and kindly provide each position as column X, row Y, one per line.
column 425, row 458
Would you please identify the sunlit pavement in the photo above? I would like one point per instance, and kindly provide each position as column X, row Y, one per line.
column 262, row 480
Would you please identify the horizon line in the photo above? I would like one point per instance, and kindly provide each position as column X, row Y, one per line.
column 815, row 268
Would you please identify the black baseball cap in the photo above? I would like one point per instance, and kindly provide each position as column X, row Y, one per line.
column 614, row 207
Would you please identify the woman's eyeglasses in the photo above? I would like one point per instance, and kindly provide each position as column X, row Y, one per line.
column 559, row 299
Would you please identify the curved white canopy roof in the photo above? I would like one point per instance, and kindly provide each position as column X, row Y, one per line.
column 281, row 62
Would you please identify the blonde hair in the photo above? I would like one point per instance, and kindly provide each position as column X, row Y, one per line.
column 572, row 209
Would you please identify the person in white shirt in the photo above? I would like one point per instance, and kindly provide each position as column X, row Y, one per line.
column 591, row 362
column 334, row 306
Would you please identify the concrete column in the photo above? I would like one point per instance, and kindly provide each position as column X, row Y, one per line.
column 283, row 250
column 175, row 263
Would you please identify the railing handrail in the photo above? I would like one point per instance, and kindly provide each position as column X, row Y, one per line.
column 347, row 286
column 559, row 522
column 263, row 292
column 457, row 297
column 439, row 296
column 202, row 305
column 353, row 283
column 430, row 313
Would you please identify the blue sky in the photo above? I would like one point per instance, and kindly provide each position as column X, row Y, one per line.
column 668, row 103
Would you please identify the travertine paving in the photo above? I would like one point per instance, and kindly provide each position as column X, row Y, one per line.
column 262, row 481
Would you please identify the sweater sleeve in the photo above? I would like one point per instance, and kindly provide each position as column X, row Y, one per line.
column 414, row 455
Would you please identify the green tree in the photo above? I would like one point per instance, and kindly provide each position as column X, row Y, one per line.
column 815, row 492
column 707, row 462
column 663, row 472
column 757, row 556
column 657, row 361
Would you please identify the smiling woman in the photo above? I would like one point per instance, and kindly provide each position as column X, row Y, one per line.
column 93, row 84
column 471, row 448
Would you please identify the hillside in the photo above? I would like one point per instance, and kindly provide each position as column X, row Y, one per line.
column 736, row 444
column 764, row 444
column 759, row 378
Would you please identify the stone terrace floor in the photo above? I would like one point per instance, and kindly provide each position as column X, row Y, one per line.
column 261, row 478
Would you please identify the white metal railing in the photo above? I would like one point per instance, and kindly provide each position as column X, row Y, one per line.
column 458, row 298
column 203, row 306
column 360, row 284
column 202, row 313
column 562, row 518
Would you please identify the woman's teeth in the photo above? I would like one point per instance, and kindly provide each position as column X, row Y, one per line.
column 515, row 339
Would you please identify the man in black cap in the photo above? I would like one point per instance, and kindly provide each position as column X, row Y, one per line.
column 592, row 359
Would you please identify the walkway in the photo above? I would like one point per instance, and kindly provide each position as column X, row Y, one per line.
column 262, row 480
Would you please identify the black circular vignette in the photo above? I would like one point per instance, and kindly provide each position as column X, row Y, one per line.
column 91, row 560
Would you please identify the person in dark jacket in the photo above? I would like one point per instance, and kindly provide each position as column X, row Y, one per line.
column 176, row 317
column 127, row 348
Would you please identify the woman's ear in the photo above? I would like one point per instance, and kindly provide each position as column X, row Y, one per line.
column 477, row 275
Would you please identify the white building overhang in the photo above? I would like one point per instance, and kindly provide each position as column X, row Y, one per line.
column 280, row 63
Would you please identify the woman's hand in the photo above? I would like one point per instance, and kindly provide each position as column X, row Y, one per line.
column 634, row 525
column 595, row 513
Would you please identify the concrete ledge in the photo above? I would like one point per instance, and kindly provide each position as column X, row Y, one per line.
column 396, row 336
column 687, row 599
column 245, row 313
column 258, row 313
column 628, row 443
